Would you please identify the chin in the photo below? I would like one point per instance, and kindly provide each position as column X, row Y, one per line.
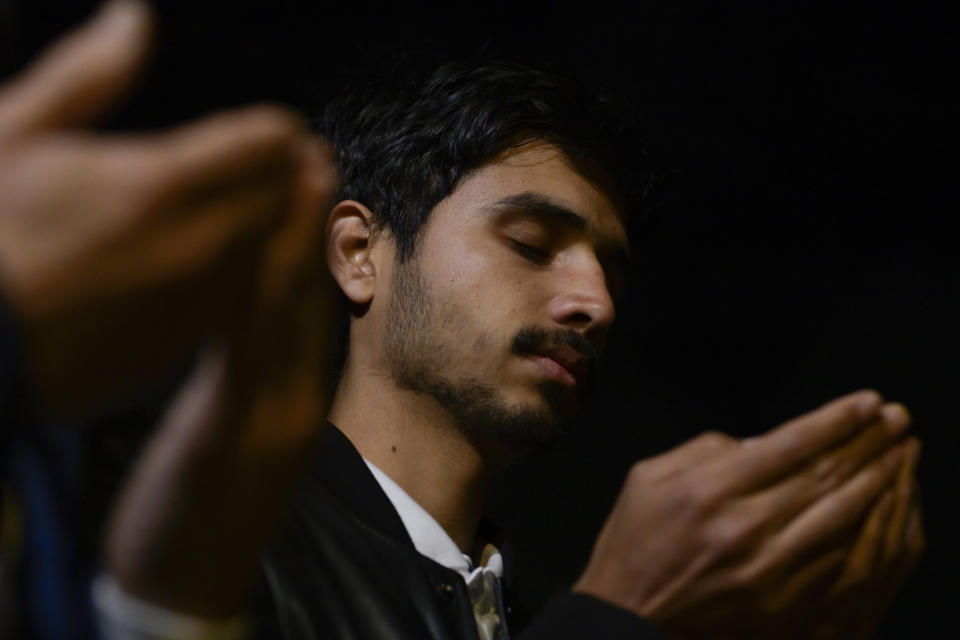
column 518, row 427
column 502, row 422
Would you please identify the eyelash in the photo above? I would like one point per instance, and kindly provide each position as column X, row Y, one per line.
column 531, row 253
column 543, row 257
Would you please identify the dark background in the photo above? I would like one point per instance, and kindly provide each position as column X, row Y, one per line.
column 802, row 251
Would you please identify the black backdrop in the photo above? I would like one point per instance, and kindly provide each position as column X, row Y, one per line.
column 802, row 251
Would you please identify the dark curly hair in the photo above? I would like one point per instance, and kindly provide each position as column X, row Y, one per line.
column 407, row 137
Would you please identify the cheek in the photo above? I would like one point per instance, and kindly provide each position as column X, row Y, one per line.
column 483, row 342
column 470, row 313
column 465, row 277
column 483, row 295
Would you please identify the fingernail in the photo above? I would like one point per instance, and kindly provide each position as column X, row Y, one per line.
column 896, row 416
column 120, row 15
column 868, row 403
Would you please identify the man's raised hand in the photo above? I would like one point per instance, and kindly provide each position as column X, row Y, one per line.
column 721, row 538
column 218, row 473
column 120, row 253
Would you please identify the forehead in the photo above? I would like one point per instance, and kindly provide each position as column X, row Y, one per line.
column 543, row 170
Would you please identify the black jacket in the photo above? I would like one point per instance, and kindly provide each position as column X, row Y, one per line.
column 346, row 568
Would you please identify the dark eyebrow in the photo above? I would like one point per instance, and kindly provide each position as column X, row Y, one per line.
column 539, row 205
column 536, row 204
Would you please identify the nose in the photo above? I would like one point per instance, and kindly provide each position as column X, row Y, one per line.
column 583, row 301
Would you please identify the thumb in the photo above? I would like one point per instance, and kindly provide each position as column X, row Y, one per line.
column 82, row 74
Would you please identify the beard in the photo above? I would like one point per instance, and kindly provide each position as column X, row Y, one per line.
column 421, row 340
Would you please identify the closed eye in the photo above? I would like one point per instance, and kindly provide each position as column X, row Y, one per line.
column 532, row 254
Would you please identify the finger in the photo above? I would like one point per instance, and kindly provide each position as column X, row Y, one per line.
column 201, row 238
column 870, row 582
column 813, row 576
column 893, row 577
column 194, row 412
column 916, row 540
column 777, row 596
column 688, row 455
column 311, row 207
column 890, row 579
column 916, row 535
column 320, row 177
column 279, row 347
column 202, row 157
column 295, row 255
column 770, row 456
column 896, row 537
column 836, row 512
column 286, row 302
column 83, row 74
column 832, row 469
column 866, row 550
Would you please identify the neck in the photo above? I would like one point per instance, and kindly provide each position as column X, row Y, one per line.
column 417, row 443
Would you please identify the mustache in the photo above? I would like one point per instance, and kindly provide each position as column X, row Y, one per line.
column 531, row 339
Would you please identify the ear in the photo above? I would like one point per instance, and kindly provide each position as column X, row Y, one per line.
column 350, row 237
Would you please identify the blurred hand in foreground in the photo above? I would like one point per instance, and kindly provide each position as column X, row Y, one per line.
column 120, row 253
column 220, row 469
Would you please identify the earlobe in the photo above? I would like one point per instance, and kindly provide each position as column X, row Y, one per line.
column 350, row 238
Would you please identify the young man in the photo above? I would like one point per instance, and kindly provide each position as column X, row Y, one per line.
column 480, row 245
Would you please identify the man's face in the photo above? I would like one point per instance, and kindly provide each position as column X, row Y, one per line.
column 502, row 311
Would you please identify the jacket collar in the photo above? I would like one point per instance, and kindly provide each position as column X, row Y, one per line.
column 342, row 474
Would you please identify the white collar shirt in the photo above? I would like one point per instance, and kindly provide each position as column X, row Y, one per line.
column 432, row 541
